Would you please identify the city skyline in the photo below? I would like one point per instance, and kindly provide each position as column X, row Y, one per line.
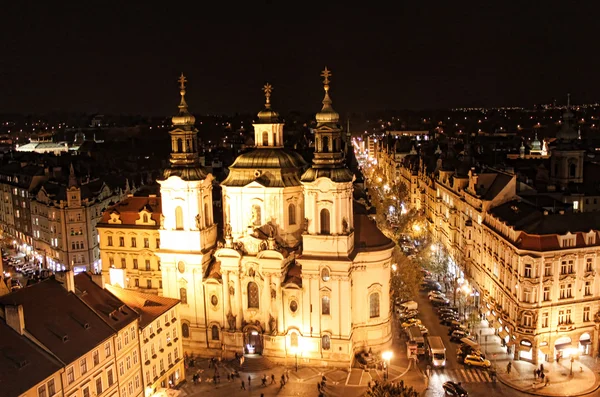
column 404, row 57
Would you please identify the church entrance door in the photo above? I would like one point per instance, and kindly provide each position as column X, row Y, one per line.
column 253, row 341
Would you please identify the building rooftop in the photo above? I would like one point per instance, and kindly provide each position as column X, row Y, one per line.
column 22, row 363
column 149, row 306
column 113, row 311
column 130, row 208
column 57, row 318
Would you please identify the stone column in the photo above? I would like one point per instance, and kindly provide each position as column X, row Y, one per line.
column 226, row 297
column 238, row 296
column 278, row 302
column 265, row 300
column 534, row 353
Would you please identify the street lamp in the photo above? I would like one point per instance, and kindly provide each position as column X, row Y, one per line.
column 295, row 352
column 387, row 356
column 394, row 267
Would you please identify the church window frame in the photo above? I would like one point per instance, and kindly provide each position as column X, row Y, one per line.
column 374, row 305
column 185, row 330
column 291, row 214
column 253, row 295
column 325, row 221
column 179, row 145
column 325, row 144
column 325, row 274
column 183, row 295
column 206, row 215
column 293, row 306
column 572, row 168
column 326, row 342
column 325, row 305
column 215, row 332
column 294, row 339
column 178, row 218
column 214, row 300
column 265, row 138
column 256, row 214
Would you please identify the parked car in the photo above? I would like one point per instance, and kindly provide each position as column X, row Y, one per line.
column 457, row 335
column 451, row 322
column 458, row 328
column 405, row 315
column 436, row 293
column 454, row 389
column 15, row 285
column 410, row 322
column 448, row 316
column 438, row 301
column 423, row 329
column 477, row 361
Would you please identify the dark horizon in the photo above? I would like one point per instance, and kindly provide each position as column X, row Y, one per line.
column 126, row 59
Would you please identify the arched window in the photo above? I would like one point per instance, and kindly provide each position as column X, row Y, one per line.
column 179, row 145
column 274, row 139
column 183, row 296
column 325, row 221
column 256, row 215
column 265, row 138
column 294, row 339
column 191, row 145
column 292, row 214
column 325, row 305
column 185, row 330
column 206, row 214
column 572, row 170
column 178, row 218
column 326, row 342
column 325, row 148
column 334, row 144
column 253, row 296
column 215, row 332
column 145, row 218
column 374, row 305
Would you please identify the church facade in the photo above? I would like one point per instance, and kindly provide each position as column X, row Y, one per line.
column 299, row 270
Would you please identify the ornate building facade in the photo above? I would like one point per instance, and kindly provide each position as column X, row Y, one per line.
column 299, row 271
column 534, row 272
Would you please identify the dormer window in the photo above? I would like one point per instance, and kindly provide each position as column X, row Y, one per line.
column 145, row 218
column 591, row 239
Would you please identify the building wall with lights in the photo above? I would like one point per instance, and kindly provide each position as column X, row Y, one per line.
column 538, row 286
column 129, row 238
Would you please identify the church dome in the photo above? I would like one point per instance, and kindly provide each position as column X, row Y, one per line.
column 327, row 114
column 184, row 117
column 268, row 116
column 272, row 167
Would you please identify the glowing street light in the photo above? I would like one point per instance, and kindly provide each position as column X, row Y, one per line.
column 394, row 267
column 387, row 356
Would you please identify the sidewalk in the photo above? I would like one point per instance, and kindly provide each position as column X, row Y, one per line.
column 583, row 381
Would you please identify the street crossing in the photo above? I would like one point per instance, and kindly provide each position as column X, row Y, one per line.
column 464, row 375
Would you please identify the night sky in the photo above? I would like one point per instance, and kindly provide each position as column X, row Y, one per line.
column 124, row 58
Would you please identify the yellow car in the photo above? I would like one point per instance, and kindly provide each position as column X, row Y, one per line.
column 477, row 361
column 410, row 322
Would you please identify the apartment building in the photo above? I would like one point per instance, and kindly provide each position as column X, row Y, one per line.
column 534, row 273
column 129, row 237
column 64, row 216
column 160, row 337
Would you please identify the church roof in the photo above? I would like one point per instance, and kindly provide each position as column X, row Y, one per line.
column 293, row 275
column 367, row 236
column 335, row 174
column 129, row 210
column 186, row 173
column 271, row 167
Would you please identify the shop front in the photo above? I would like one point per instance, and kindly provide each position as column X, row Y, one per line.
column 563, row 348
column 585, row 344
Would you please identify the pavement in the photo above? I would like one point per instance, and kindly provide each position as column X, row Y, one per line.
column 583, row 380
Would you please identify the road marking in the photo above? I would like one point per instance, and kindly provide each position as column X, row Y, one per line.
column 464, row 375
column 486, row 376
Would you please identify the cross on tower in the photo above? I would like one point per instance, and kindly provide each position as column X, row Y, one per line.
column 182, row 80
column 326, row 74
column 268, row 88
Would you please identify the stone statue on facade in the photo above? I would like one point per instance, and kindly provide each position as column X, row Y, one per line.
column 228, row 230
column 162, row 221
column 231, row 321
column 198, row 219
column 273, row 294
column 272, row 324
column 344, row 226
column 231, row 290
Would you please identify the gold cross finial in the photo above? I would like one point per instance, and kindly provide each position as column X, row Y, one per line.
column 326, row 74
column 182, row 80
column 268, row 88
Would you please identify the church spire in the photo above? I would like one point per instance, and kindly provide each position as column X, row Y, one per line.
column 72, row 176
column 327, row 115
column 184, row 160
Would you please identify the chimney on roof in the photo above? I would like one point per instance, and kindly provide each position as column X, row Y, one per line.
column 15, row 318
column 70, row 279
column 98, row 279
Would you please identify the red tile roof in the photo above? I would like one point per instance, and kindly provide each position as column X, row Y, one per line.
column 367, row 237
column 130, row 208
column 149, row 306
column 113, row 311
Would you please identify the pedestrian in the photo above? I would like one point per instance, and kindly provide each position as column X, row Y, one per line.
column 228, row 377
column 215, row 379
column 508, row 367
column 264, row 380
column 272, row 378
column 542, row 367
column 318, row 387
column 535, row 373
column 283, row 379
column 243, row 386
column 249, row 381
column 547, row 381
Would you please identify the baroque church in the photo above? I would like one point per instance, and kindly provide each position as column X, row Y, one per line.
column 300, row 270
